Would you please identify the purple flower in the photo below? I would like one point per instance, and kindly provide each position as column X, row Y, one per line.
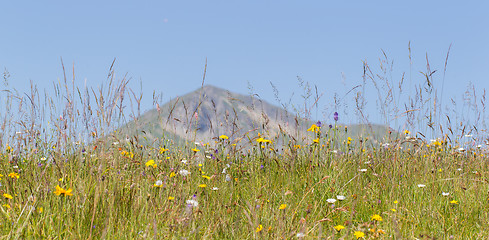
column 330, row 126
column 335, row 116
column 318, row 124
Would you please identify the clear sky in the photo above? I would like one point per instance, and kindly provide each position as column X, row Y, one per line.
column 164, row 44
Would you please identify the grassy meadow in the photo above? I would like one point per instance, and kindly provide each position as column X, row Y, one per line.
column 67, row 174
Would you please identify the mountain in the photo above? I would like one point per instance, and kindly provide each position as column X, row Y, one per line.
column 209, row 112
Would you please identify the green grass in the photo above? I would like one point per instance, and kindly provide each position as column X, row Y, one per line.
column 114, row 196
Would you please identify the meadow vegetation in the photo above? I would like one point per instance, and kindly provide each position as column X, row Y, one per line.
column 66, row 173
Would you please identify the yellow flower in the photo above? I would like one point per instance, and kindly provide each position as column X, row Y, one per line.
column 162, row 150
column 170, row 198
column 151, row 163
column 14, row 175
column 407, row 132
column 313, row 128
column 282, row 206
column 40, row 209
column 454, row 202
column 259, row 228
column 394, row 210
column 206, row 177
column 6, row 206
column 381, row 231
column 202, row 185
column 223, row 137
column 395, row 201
column 339, row 227
column 59, row 191
column 8, row 196
column 316, row 140
column 376, row 217
column 359, row 234
column 195, row 150
column 172, row 174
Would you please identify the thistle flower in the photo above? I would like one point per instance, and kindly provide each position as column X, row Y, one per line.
column 335, row 116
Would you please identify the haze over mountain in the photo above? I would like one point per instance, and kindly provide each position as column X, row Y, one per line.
column 210, row 111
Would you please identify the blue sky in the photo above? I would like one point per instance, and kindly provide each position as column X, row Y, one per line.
column 163, row 45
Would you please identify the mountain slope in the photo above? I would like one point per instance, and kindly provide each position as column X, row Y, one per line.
column 209, row 112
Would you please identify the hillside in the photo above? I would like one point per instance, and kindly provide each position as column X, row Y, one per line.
column 209, row 112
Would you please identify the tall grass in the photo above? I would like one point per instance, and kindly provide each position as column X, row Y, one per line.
column 70, row 171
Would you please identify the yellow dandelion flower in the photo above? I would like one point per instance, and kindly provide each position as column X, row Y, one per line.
column 407, row 132
column 195, row 150
column 394, row 210
column 282, row 206
column 454, row 202
column 376, row 217
column 313, row 128
column 339, row 227
column 316, row 140
column 259, row 228
column 162, row 150
column 6, row 206
column 14, row 175
column 151, row 163
column 60, row 191
column 172, row 174
column 203, row 185
column 359, row 234
column 206, row 177
column 170, row 198
column 223, row 137
column 7, row 196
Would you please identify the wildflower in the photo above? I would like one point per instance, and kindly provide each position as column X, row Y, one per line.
column 363, row 170
column 376, row 217
column 407, row 132
column 170, row 198
column 335, row 116
column 151, row 163
column 421, row 185
column 192, row 203
column 215, row 188
column 59, row 191
column 359, row 234
column 223, row 137
column 393, row 210
column 313, row 128
column 340, row 197
column 259, row 228
column 206, row 177
column 282, row 206
column 162, row 150
column 395, row 202
column 339, row 227
column 228, row 178
column 7, row 196
column 172, row 174
column 184, row 172
column 202, row 185
column 195, row 150
column 6, row 206
column 381, row 231
column 158, row 183
column 316, row 140
column 43, row 159
column 445, row 193
column 331, row 200
column 454, row 202
column 14, row 175
column 300, row 235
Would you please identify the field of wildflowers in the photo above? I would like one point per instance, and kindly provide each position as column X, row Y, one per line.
column 67, row 174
